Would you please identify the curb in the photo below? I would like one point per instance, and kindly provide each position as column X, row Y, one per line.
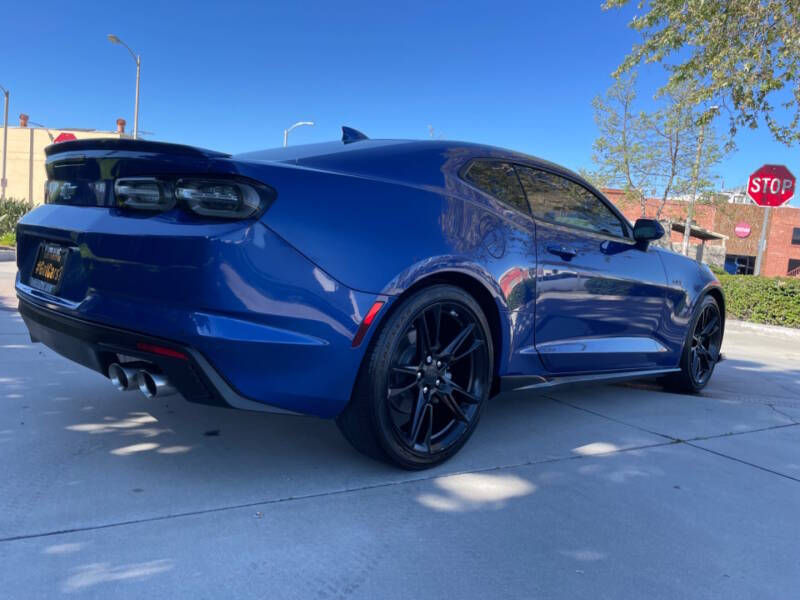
column 7, row 253
column 746, row 327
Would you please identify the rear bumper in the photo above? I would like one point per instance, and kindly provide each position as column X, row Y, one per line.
column 246, row 305
column 231, row 363
column 97, row 346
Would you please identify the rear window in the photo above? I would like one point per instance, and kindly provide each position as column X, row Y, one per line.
column 499, row 180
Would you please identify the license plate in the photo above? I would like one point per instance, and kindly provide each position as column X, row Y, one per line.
column 48, row 271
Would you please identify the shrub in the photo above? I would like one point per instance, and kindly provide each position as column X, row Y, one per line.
column 769, row 300
column 11, row 212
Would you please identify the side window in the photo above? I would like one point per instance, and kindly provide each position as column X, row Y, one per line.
column 499, row 180
column 559, row 200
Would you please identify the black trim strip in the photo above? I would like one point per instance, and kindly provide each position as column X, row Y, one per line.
column 531, row 382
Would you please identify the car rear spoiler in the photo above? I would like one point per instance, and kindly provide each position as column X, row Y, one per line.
column 112, row 144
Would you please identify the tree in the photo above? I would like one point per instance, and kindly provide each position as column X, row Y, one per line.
column 622, row 153
column 741, row 54
column 685, row 149
column 645, row 153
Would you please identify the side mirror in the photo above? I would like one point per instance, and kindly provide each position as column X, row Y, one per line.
column 647, row 230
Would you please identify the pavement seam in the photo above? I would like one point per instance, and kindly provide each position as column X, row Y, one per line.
column 744, row 462
column 703, row 438
column 597, row 414
column 780, row 412
column 325, row 494
column 680, row 440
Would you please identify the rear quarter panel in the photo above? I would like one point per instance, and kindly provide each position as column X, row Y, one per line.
column 383, row 236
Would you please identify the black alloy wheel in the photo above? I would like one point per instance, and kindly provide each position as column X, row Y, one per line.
column 427, row 377
column 701, row 350
column 438, row 368
column 705, row 344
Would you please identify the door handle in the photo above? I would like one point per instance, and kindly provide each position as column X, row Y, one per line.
column 562, row 250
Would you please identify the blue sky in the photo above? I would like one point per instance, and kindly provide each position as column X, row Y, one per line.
column 232, row 75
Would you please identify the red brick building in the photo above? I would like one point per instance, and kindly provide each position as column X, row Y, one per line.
column 783, row 231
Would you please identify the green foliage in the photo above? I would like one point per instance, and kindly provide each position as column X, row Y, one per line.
column 11, row 212
column 621, row 152
column 741, row 54
column 769, row 300
column 596, row 178
column 8, row 239
column 670, row 150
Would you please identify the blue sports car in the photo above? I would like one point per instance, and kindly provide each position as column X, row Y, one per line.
column 392, row 285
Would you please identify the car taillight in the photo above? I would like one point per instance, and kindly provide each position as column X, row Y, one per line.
column 143, row 193
column 224, row 199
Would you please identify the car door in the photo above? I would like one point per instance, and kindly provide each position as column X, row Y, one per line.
column 600, row 295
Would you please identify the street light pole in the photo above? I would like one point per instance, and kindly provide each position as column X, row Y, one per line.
column 5, row 142
column 298, row 124
column 138, row 60
column 45, row 127
column 136, row 106
column 695, row 176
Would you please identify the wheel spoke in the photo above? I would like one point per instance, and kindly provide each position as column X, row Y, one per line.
column 416, row 419
column 400, row 390
column 703, row 359
column 695, row 365
column 406, row 369
column 437, row 319
column 429, row 431
column 711, row 327
column 459, row 339
column 469, row 397
column 475, row 345
column 452, row 404
column 705, row 354
column 423, row 336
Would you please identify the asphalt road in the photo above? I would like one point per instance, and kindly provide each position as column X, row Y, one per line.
column 593, row 492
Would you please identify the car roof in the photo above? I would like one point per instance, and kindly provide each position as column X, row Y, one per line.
column 327, row 154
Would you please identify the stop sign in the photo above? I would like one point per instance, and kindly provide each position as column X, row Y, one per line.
column 64, row 137
column 771, row 185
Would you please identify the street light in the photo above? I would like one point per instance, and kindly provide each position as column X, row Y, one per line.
column 45, row 127
column 5, row 142
column 138, row 60
column 695, row 176
column 298, row 124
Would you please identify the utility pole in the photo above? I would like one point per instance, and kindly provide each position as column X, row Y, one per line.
column 5, row 142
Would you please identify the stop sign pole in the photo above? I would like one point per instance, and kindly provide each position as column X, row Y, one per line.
column 768, row 186
column 762, row 241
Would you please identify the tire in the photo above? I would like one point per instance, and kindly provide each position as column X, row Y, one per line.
column 423, row 382
column 701, row 350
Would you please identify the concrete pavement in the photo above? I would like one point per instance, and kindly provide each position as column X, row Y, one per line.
column 590, row 492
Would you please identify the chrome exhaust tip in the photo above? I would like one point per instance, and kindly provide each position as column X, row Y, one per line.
column 124, row 377
column 154, row 384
